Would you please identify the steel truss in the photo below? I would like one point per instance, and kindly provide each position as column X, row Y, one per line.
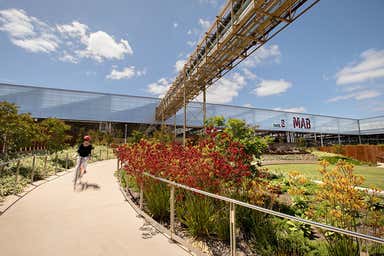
column 241, row 27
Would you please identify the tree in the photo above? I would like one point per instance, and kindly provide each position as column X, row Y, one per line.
column 17, row 130
column 8, row 123
column 55, row 133
column 216, row 121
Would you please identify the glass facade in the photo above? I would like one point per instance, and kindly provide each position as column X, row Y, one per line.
column 90, row 106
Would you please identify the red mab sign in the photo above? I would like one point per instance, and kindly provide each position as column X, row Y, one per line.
column 302, row 123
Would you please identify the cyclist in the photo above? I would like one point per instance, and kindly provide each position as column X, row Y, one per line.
column 85, row 150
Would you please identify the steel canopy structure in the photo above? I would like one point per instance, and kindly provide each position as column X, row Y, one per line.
column 241, row 27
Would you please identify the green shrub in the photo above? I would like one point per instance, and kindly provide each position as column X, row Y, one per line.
column 197, row 213
column 156, row 197
column 8, row 184
column 222, row 221
column 127, row 180
column 340, row 245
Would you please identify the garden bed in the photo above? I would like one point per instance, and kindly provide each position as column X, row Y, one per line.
column 220, row 165
column 45, row 166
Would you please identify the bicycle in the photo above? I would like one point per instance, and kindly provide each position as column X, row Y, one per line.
column 78, row 171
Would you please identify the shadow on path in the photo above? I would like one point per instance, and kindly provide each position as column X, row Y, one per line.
column 83, row 186
column 148, row 231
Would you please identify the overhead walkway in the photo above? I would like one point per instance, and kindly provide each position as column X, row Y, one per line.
column 95, row 220
column 241, row 27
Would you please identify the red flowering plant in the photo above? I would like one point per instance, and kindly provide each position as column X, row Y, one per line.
column 215, row 160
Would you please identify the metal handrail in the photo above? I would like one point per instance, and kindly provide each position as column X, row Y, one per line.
column 271, row 212
column 36, row 155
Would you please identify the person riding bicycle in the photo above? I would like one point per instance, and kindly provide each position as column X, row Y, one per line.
column 84, row 151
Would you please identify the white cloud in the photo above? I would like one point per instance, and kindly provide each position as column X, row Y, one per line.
column 264, row 54
column 361, row 95
column 294, row 109
column 28, row 32
column 74, row 30
column 225, row 89
column 16, row 23
column 125, row 73
column 175, row 24
column 102, row 46
column 249, row 74
column 370, row 67
column 204, row 24
column 179, row 65
column 271, row 87
column 45, row 43
column 66, row 57
column 160, row 87
column 353, row 88
column 189, row 32
column 70, row 41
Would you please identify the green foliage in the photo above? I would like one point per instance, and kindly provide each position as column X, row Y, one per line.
column 216, row 121
column 98, row 137
column 302, row 142
column 8, row 184
column 163, row 135
column 197, row 213
column 17, row 130
column 222, row 221
column 55, row 132
column 8, row 172
column 340, row 245
column 242, row 133
column 156, row 197
column 136, row 136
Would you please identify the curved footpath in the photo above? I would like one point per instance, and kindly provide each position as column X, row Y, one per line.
column 95, row 220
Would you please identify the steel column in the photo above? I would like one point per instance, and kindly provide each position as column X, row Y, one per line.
column 125, row 134
column 204, row 105
column 185, row 116
column 174, row 124
column 358, row 126
column 172, row 211
column 232, row 228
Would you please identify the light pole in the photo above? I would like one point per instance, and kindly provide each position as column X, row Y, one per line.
column 125, row 134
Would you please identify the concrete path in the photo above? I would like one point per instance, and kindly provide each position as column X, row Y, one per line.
column 95, row 220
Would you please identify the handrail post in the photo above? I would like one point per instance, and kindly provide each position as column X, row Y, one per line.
column 45, row 165
column 141, row 202
column 56, row 157
column 172, row 211
column 33, row 168
column 17, row 177
column 232, row 228
column 66, row 161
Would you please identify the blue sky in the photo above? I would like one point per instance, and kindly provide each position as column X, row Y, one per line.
column 330, row 61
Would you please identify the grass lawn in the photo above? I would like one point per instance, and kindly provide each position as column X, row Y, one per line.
column 372, row 175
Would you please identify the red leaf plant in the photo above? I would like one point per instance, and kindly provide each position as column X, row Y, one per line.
column 215, row 162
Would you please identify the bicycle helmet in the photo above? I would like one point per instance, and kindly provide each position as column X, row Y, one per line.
column 87, row 138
